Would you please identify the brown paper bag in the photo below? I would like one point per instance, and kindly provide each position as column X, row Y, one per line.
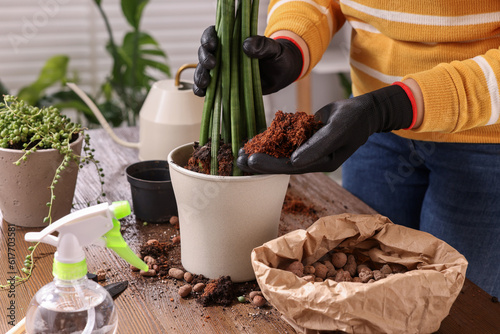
column 413, row 302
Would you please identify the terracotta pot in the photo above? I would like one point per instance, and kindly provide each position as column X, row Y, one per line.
column 222, row 218
column 24, row 189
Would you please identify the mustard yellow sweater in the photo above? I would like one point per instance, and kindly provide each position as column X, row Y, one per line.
column 450, row 47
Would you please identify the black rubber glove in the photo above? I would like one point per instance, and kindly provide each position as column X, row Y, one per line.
column 206, row 60
column 347, row 126
column 280, row 61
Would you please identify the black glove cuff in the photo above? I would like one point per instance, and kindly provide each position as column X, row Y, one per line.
column 409, row 93
column 393, row 107
column 295, row 54
column 289, row 57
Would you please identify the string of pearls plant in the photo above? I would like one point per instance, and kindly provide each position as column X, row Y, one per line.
column 28, row 128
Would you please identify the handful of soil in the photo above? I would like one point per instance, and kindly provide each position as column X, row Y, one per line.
column 285, row 134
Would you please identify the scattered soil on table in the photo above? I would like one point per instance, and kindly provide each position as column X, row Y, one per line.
column 299, row 213
column 160, row 252
column 285, row 134
column 295, row 205
column 166, row 254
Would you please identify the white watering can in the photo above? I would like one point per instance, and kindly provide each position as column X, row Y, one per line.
column 169, row 117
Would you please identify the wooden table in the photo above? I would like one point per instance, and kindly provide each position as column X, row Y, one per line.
column 153, row 306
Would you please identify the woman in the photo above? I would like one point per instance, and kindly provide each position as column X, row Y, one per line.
column 420, row 139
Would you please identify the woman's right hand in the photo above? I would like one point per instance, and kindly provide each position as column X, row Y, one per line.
column 280, row 61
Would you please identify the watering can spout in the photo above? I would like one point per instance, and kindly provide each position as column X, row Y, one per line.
column 88, row 101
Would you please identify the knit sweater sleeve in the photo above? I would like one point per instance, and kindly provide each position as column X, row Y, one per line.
column 468, row 90
column 316, row 21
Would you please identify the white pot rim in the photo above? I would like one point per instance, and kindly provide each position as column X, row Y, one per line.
column 218, row 178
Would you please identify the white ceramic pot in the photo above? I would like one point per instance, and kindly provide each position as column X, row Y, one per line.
column 223, row 218
column 24, row 189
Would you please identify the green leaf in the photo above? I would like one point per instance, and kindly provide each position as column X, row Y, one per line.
column 107, row 90
column 145, row 58
column 148, row 45
column 159, row 53
column 132, row 10
column 52, row 72
column 157, row 65
column 145, row 38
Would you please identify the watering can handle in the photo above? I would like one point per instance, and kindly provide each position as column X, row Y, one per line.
column 99, row 116
column 179, row 71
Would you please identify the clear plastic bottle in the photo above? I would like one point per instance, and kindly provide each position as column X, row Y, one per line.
column 71, row 307
column 71, row 303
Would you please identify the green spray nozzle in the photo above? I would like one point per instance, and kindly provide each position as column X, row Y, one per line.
column 97, row 224
column 114, row 238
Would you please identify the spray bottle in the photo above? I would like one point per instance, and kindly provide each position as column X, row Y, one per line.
column 71, row 303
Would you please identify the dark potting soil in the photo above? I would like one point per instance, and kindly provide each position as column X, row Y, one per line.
column 219, row 291
column 285, row 134
column 200, row 161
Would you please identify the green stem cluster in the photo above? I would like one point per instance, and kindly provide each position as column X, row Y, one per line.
column 233, row 109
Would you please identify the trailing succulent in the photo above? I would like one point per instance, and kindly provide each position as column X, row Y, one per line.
column 28, row 128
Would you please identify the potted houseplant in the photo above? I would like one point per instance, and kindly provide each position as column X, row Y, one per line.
column 40, row 153
column 222, row 218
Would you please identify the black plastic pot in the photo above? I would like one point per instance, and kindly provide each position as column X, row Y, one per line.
column 152, row 194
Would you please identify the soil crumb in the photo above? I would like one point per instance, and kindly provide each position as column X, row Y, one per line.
column 218, row 292
column 285, row 134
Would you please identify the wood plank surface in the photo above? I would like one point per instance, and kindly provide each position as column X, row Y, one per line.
column 153, row 306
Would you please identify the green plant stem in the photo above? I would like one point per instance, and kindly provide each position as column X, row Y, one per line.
column 235, row 91
column 226, row 34
column 260, row 114
column 215, row 144
column 112, row 46
column 135, row 56
column 208, row 106
column 247, row 85
column 27, row 270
